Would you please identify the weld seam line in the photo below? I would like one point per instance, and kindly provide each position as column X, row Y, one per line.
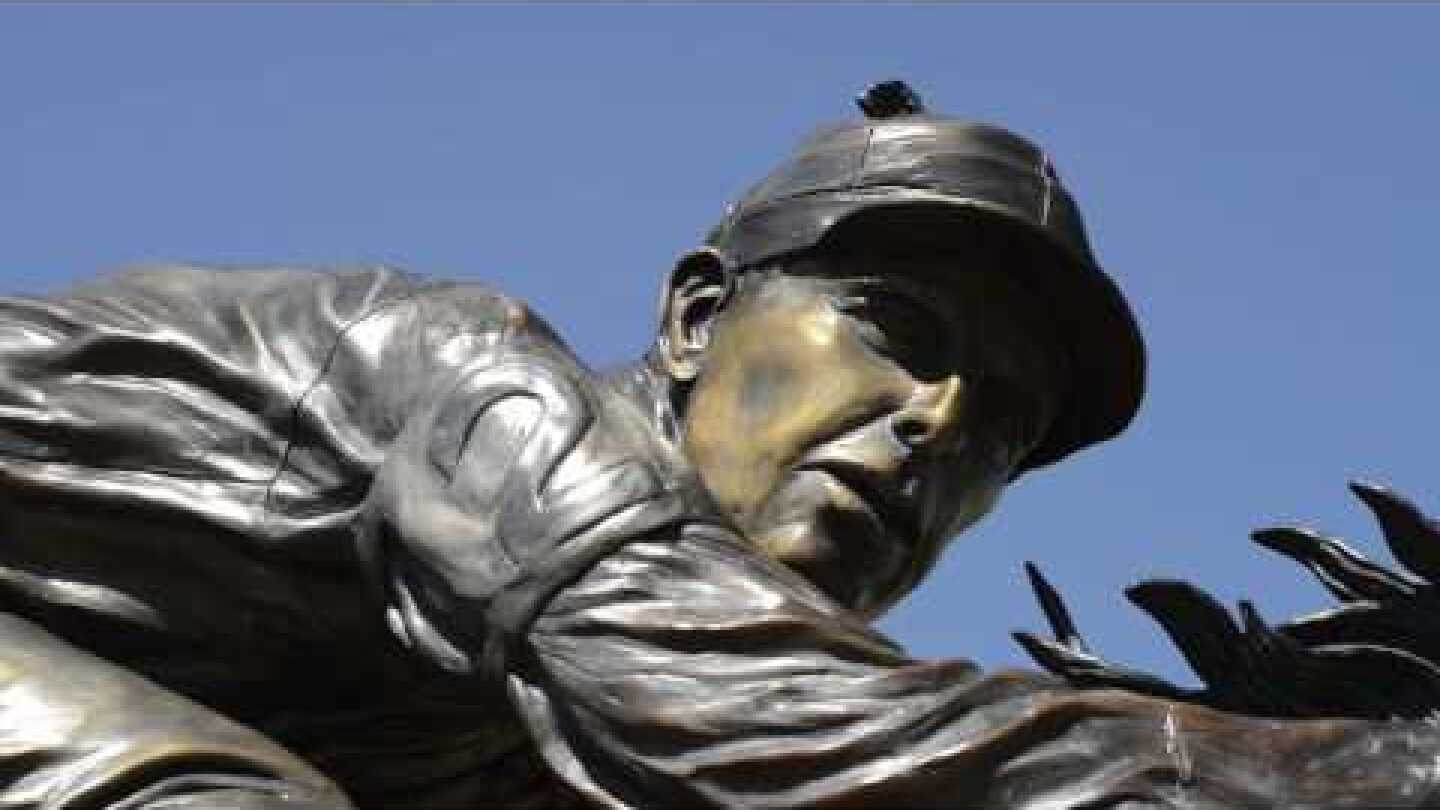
column 267, row 499
column 1047, row 173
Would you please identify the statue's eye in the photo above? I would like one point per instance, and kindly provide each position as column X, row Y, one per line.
column 901, row 328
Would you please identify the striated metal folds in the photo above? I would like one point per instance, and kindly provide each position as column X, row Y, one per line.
column 268, row 537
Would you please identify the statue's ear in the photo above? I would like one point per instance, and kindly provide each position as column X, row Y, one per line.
column 699, row 288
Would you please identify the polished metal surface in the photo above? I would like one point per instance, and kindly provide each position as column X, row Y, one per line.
column 905, row 179
column 281, row 537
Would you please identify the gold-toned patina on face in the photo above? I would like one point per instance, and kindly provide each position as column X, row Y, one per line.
column 852, row 414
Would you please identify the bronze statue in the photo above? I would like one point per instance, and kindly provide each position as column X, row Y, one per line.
column 289, row 538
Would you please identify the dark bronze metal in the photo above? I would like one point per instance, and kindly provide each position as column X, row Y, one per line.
column 933, row 185
column 1376, row 656
column 889, row 99
column 277, row 537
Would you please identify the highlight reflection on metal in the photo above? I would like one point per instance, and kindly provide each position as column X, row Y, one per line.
column 288, row 538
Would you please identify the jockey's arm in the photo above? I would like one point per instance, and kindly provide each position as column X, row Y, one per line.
column 528, row 535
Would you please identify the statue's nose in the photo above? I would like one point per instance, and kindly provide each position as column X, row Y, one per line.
column 931, row 413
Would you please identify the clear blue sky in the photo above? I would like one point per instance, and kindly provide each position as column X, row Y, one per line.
column 1261, row 180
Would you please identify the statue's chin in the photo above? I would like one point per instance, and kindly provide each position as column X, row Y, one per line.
column 823, row 532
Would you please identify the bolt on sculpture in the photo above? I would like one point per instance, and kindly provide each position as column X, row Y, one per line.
column 280, row 537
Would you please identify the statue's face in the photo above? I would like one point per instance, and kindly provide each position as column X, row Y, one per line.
column 852, row 414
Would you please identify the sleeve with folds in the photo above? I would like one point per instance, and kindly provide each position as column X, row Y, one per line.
column 689, row 672
column 530, row 532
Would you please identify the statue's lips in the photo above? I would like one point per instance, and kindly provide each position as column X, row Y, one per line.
column 891, row 508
